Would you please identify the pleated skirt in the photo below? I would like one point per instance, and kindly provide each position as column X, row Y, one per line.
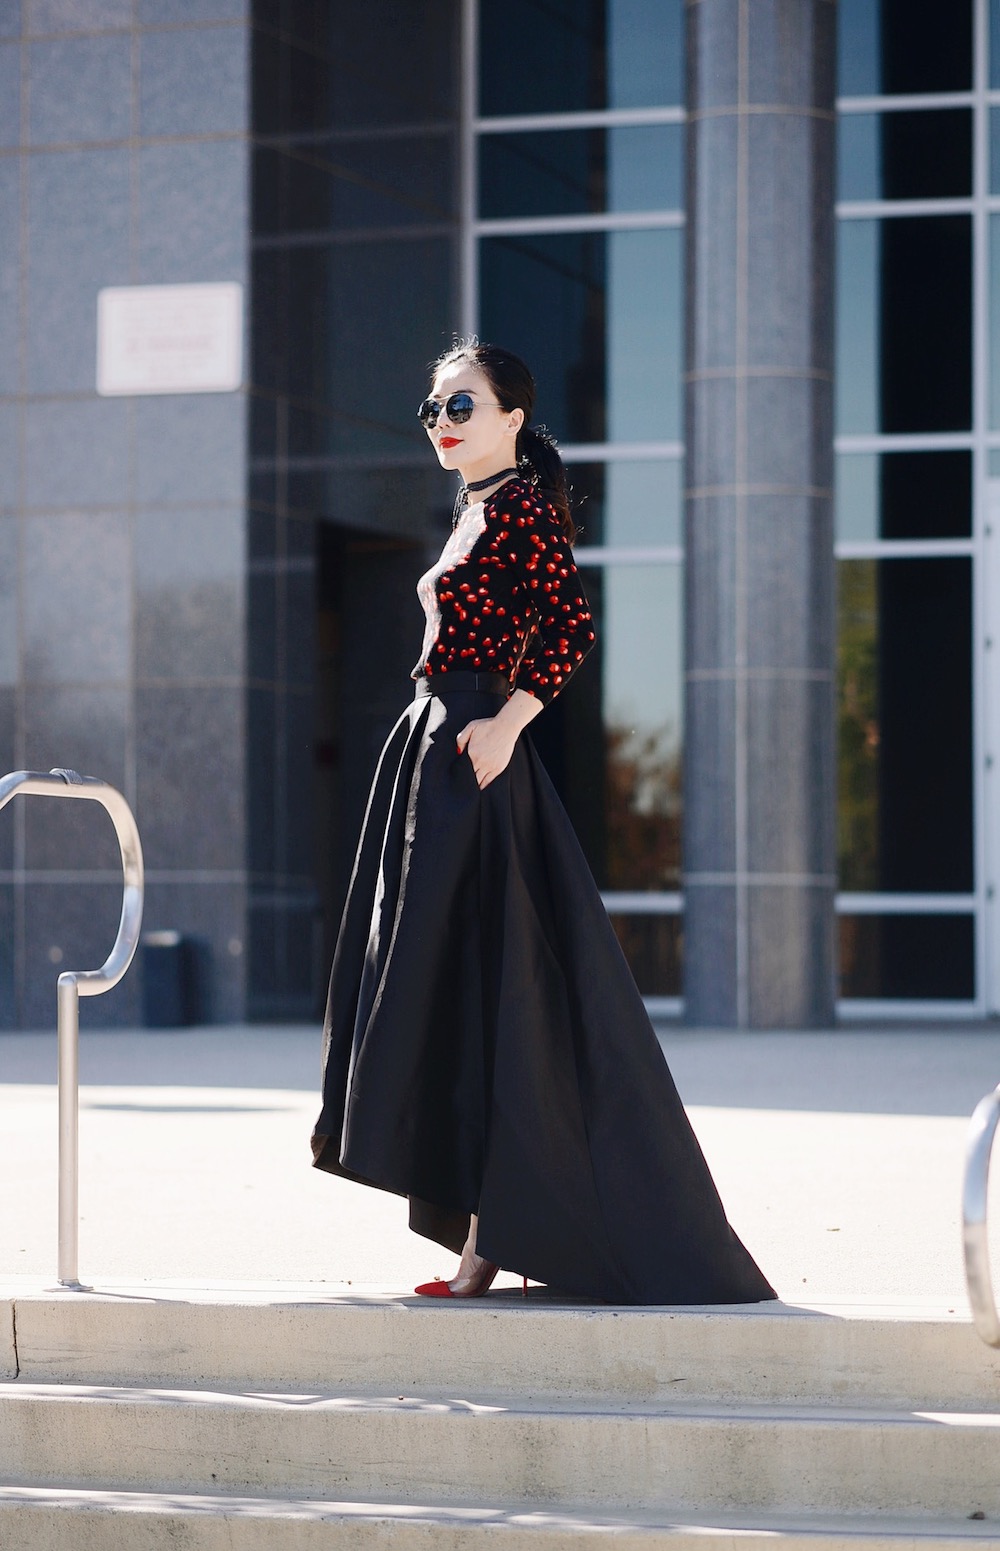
column 486, row 1048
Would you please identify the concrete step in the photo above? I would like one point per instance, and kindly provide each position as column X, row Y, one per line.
column 472, row 1450
column 49, row 1519
column 292, row 1339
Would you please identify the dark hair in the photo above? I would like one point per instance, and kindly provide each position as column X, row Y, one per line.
column 537, row 454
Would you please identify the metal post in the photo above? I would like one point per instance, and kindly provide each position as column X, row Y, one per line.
column 982, row 1129
column 68, row 1001
column 73, row 984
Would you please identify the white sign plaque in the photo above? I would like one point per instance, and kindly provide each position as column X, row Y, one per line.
column 170, row 338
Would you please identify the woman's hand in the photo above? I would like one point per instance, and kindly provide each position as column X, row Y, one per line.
column 489, row 741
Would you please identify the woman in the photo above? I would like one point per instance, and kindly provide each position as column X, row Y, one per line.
column 486, row 1051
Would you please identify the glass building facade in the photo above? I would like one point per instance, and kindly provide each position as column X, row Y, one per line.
column 575, row 255
column 380, row 182
column 916, row 428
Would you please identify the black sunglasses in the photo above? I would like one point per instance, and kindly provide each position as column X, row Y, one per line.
column 458, row 407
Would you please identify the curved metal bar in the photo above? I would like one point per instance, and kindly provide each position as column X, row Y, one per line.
column 72, row 984
column 982, row 1129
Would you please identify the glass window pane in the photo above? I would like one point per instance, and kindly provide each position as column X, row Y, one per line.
column 995, row 321
column 995, row 150
column 908, row 957
column 904, row 336
column 652, row 944
column 317, row 66
column 905, row 725
column 887, row 46
column 629, row 503
column 558, row 56
column 642, row 696
column 581, row 171
column 347, row 397
column 646, row 167
column 598, row 318
column 645, row 53
column 925, row 155
column 613, row 742
column 903, row 495
column 857, row 375
column 341, row 184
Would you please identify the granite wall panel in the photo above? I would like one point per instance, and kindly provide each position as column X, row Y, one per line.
column 78, row 241
column 45, row 16
column 193, row 212
column 709, row 631
column 72, row 926
column 80, row 89
column 123, row 628
column 213, row 915
column 710, row 748
column 193, row 81
column 789, row 786
column 76, row 453
column 10, row 458
column 786, row 928
column 8, row 763
column 82, row 728
column 8, row 991
column 76, row 597
column 189, row 601
column 10, row 275
column 10, row 662
column 10, row 94
column 263, row 787
column 711, row 183
column 788, row 540
column 187, row 12
column 710, row 958
column 299, row 819
column 759, row 573
column 190, row 776
column 190, row 449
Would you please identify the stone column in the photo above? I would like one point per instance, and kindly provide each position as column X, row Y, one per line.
column 759, row 848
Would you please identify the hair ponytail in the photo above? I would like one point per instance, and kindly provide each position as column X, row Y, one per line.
column 537, row 454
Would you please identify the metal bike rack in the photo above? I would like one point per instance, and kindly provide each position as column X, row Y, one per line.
column 72, row 984
column 982, row 1129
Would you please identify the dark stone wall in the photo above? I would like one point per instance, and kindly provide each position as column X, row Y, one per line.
column 123, row 160
column 354, row 264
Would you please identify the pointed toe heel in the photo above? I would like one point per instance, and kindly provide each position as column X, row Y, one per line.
column 434, row 1290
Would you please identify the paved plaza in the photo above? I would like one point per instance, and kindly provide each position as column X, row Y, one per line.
column 839, row 1156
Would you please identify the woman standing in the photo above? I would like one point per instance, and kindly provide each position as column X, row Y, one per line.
column 486, row 1051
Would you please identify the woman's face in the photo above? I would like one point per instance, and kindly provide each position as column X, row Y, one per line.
column 485, row 443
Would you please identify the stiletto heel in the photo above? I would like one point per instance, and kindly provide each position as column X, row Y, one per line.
column 524, row 1289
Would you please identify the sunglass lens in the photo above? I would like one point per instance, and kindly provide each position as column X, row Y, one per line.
column 459, row 408
column 428, row 413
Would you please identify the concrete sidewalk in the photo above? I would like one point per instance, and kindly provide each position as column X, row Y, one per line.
column 839, row 1156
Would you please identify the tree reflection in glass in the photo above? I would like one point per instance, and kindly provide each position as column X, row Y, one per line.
column 858, row 725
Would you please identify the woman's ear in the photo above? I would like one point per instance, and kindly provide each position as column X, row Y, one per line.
column 515, row 420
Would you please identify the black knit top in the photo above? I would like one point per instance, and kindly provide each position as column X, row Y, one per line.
column 505, row 596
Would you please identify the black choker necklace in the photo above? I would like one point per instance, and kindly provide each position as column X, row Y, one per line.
column 480, row 484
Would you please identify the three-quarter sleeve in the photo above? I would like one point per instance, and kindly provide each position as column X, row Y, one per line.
column 563, row 631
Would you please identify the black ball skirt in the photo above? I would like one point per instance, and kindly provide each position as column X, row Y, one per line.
column 486, row 1048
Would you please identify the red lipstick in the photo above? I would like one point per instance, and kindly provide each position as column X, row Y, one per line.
column 449, row 441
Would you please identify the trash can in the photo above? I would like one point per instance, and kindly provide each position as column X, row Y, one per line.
column 167, row 989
